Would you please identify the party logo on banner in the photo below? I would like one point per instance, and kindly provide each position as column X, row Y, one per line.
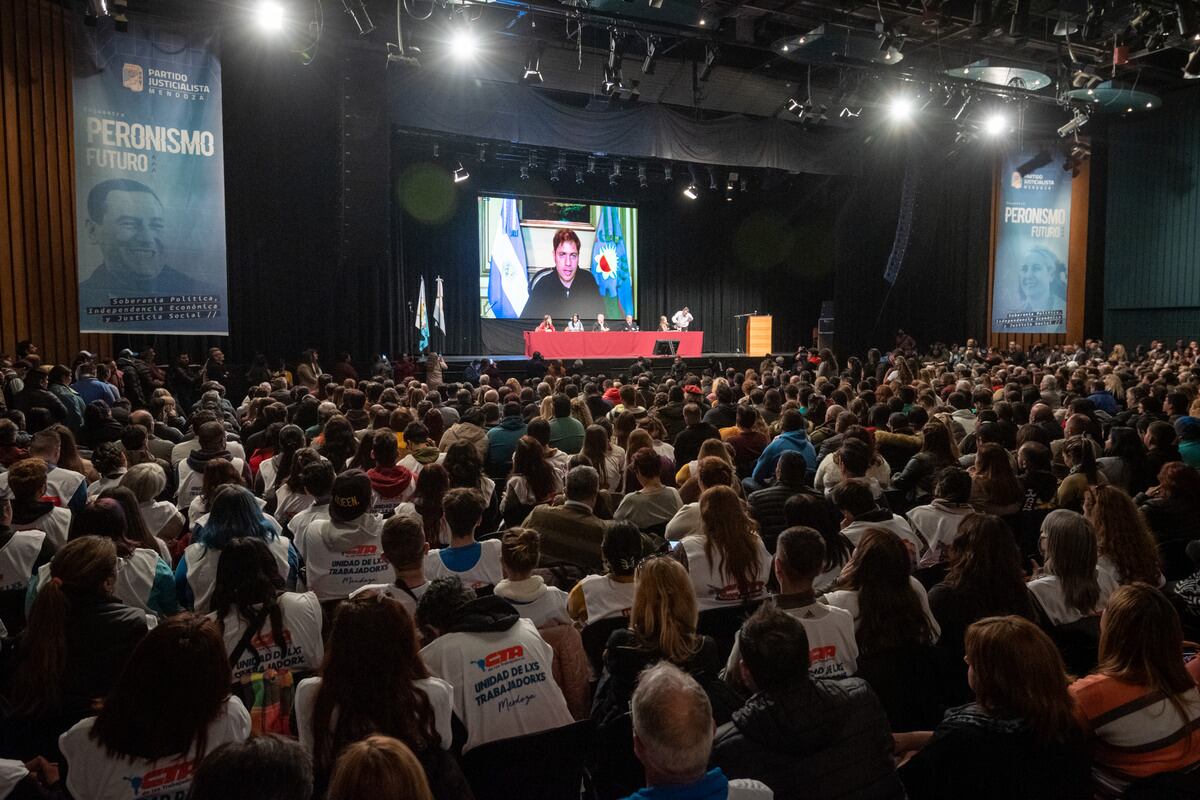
column 1029, row 288
column 149, row 180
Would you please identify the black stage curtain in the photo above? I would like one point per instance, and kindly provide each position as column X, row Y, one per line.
column 941, row 292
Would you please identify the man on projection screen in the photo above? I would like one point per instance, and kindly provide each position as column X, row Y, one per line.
column 566, row 289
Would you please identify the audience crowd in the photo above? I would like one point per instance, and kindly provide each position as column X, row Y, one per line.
column 971, row 572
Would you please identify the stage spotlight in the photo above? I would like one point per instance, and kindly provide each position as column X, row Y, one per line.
column 668, row 177
column 463, row 44
column 995, row 125
column 901, row 108
column 578, row 176
column 1078, row 121
column 269, row 15
column 608, row 83
column 643, row 180
column 461, row 173
column 591, row 168
column 533, row 64
column 524, row 172
column 1185, row 17
column 691, row 192
column 357, row 10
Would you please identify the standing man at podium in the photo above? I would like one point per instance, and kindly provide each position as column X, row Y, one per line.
column 682, row 319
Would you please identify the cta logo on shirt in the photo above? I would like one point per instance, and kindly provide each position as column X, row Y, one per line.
column 730, row 593
column 157, row 784
column 501, row 657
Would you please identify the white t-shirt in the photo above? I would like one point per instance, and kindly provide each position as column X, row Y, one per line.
column 341, row 557
column 202, row 569
column 502, row 680
column 535, row 601
column 832, row 648
column 301, row 630
column 897, row 525
column 61, row 485
column 604, row 597
column 685, row 522
column 197, row 514
column 713, row 590
column 17, row 558
column 1048, row 591
column 409, row 601
column 439, row 692
column 95, row 775
column 55, row 523
column 476, row 565
column 191, row 481
column 300, row 522
column 848, row 599
column 288, row 503
column 104, row 484
column 938, row 522
column 157, row 513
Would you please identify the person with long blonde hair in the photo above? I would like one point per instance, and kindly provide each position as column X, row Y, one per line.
column 1018, row 739
column 1141, row 707
column 1126, row 548
column 379, row 767
column 726, row 559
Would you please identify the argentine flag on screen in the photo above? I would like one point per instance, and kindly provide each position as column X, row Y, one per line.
column 508, row 282
column 610, row 264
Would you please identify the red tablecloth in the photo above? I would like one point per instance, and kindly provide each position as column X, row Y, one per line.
column 614, row 344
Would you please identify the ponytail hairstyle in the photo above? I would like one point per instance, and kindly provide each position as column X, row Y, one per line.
column 291, row 439
column 621, row 548
column 1079, row 450
column 79, row 570
column 520, row 551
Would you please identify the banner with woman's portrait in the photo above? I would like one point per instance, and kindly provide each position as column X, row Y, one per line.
column 1033, row 224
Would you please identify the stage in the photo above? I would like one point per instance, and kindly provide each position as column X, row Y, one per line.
column 515, row 366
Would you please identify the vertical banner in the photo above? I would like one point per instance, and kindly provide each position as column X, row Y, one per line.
column 149, row 180
column 1033, row 225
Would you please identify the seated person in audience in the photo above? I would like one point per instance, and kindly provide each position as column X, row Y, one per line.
column 405, row 548
column 851, row 461
column 31, row 509
column 497, row 664
column 746, row 440
column 833, row 650
column 345, row 552
column 532, row 482
column 860, row 513
column 520, row 551
column 391, row 484
column 235, row 513
column 72, row 651
column 476, row 564
column 654, row 504
column 984, row 578
column 65, row 488
column 169, row 707
column 374, row 681
column 377, row 767
column 695, row 433
column 1070, row 586
column 802, row 735
column 24, row 553
column 572, row 533
column 609, row 595
column 766, row 505
column 264, row 626
column 259, row 768
column 1126, row 548
column 189, row 473
column 317, row 479
column 1141, row 707
column 673, row 738
column 1019, row 738
column 810, row 510
column 726, row 559
column 712, row 472
column 793, row 436
column 161, row 517
column 421, row 451
column 938, row 523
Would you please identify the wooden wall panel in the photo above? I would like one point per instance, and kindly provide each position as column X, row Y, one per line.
column 37, row 184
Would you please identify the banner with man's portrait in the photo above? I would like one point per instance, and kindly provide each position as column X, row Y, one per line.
column 1033, row 226
column 149, row 180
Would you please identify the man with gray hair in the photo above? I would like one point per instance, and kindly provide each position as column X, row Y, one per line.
column 672, row 737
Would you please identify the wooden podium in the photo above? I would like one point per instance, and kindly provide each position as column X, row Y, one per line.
column 758, row 335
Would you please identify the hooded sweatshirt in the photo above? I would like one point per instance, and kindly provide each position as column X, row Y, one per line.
column 191, row 474
column 501, row 671
column 764, row 470
column 502, row 441
column 535, row 601
column 390, row 486
column 342, row 556
column 44, row 516
column 419, row 456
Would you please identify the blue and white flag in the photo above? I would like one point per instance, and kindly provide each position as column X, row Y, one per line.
column 508, row 281
column 422, row 321
column 610, row 264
